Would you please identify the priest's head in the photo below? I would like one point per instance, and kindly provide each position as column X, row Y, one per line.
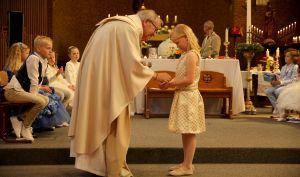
column 150, row 22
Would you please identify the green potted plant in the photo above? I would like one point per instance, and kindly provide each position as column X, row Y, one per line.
column 249, row 50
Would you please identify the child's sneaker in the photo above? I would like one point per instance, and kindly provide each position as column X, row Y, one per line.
column 17, row 125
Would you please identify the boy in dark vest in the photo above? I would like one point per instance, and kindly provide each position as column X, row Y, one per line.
column 24, row 87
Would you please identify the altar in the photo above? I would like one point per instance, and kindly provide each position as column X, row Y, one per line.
column 229, row 67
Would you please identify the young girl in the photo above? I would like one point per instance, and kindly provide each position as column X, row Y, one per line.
column 18, row 52
column 72, row 66
column 288, row 75
column 289, row 98
column 56, row 80
column 187, row 111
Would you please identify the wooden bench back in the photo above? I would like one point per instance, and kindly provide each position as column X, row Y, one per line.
column 211, row 80
column 154, row 83
column 3, row 78
column 3, row 82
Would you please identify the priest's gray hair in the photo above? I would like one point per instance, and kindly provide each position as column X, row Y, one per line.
column 210, row 24
column 147, row 15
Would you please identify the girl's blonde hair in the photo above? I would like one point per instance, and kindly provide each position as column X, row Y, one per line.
column 14, row 59
column 71, row 48
column 182, row 30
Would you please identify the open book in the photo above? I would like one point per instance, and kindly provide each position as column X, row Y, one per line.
column 269, row 77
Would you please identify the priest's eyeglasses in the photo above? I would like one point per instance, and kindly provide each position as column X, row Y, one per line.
column 156, row 28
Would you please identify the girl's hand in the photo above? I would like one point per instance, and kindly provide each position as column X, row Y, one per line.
column 72, row 87
column 275, row 82
column 60, row 71
column 164, row 85
column 46, row 89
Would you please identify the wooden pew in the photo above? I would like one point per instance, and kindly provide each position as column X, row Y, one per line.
column 211, row 85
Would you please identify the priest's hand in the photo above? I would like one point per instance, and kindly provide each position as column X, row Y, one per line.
column 163, row 77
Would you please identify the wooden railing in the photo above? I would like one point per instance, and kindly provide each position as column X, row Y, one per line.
column 36, row 16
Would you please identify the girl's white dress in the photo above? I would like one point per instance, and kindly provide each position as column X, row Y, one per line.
column 71, row 72
column 289, row 98
column 187, row 111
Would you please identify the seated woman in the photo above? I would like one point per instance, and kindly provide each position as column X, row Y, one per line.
column 56, row 80
column 289, row 98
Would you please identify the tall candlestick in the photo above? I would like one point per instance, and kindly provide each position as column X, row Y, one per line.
column 248, row 37
column 167, row 18
column 226, row 35
column 175, row 19
column 267, row 53
column 277, row 52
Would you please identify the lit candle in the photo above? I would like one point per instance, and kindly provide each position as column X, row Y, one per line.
column 294, row 39
column 286, row 29
column 108, row 15
column 267, row 53
column 262, row 32
column 277, row 52
column 158, row 16
column 175, row 19
column 117, row 14
column 226, row 35
column 290, row 28
column 167, row 18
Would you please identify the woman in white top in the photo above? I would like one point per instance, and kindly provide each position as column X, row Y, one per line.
column 72, row 66
column 56, row 80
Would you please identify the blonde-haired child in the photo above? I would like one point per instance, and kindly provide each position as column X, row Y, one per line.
column 18, row 52
column 187, row 112
column 56, row 80
column 72, row 66
column 25, row 84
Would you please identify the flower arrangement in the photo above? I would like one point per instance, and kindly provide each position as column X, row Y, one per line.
column 245, row 47
column 175, row 53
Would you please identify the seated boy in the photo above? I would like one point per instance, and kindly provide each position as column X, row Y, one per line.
column 24, row 87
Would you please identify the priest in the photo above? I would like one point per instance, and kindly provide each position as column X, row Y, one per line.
column 109, row 78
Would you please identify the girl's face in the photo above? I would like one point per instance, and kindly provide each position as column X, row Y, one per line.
column 74, row 55
column 182, row 43
column 51, row 59
column 288, row 58
column 24, row 54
